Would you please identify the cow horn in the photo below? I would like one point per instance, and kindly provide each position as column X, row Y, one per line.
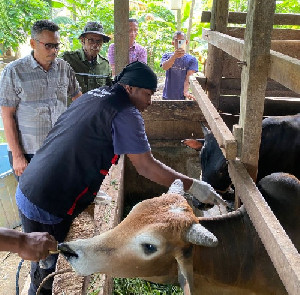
column 176, row 187
column 199, row 235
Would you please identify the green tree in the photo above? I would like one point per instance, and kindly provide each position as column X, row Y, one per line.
column 77, row 14
column 156, row 27
column 17, row 17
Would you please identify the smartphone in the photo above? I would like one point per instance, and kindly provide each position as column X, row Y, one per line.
column 181, row 44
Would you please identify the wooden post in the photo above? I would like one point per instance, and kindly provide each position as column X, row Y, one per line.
column 214, row 62
column 256, row 63
column 121, row 35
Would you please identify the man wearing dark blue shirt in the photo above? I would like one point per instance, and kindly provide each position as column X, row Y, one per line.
column 66, row 173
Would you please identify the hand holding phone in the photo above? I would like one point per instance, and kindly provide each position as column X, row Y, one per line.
column 181, row 44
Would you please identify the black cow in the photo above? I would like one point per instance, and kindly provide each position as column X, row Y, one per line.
column 279, row 152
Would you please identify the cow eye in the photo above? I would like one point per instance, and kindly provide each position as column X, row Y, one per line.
column 149, row 248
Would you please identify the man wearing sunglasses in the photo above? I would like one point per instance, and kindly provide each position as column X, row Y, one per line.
column 92, row 70
column 34, row 91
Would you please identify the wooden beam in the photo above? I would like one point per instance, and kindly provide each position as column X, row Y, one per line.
column 121, row 39
column 281, row 250
column 231, row 45
column 273, row 106
column 240, row 18
column 214, row 64
column 221, row 132
column 287, row 47
column 283, row 69
column 277, row 34
column 232, row 86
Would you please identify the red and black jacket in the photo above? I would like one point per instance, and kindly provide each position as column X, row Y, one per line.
column 66, row 172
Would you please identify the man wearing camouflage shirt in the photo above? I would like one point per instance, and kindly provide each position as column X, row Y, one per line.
column 92, row 70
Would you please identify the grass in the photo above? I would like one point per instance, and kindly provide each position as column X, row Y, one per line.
column 141, row 287
column 133, row 287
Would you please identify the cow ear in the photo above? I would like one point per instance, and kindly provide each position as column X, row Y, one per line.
column 185, row 272
column 199, row 235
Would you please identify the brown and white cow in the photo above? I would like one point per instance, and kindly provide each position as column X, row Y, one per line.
column 162, row 241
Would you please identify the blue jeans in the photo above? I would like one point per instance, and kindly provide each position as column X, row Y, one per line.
column 39, row 270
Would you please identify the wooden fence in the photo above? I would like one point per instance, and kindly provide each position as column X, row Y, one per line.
column 258, row 63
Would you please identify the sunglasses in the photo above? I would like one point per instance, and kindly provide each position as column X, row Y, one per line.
column 50, row 46
column 93, row 41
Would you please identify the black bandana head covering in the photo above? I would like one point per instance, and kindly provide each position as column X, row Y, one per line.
column 138, row 74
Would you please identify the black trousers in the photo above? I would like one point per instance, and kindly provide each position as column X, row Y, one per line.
column 39, row 270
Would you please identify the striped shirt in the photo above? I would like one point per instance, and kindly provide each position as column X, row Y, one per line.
column 39, row 97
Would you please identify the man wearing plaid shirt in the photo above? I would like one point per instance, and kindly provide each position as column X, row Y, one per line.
column 33, row 93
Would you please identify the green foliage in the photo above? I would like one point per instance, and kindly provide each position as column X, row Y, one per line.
column 186, row 11
column 17, row 18
column 238, row 5
column 156, row 27
column 288, row 6
column 156, row 22
column 80, row 12
column 138, row 286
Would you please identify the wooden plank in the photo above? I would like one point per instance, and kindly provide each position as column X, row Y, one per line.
column 281, row 250
column 214, row 64
column 277, row 34
column 232, row 69
column 283, row 69
column 121, row 33
column 287, row 47
column 273, row 106
column 231, row 45
column 9, row 214
column 240, row 18
column 234, row 85
column 254, row 79
column 221, row 132
column 181, row 119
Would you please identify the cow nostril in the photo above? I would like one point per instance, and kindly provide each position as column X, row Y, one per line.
column 67, row 251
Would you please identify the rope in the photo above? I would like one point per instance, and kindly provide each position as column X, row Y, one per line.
column 50, row 276
column 17, row 276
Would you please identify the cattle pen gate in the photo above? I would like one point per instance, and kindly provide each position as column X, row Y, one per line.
column 248, row 62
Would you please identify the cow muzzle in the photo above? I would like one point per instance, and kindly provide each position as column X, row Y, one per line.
column 66, row 251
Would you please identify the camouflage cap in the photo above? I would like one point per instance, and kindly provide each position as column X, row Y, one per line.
column 95, row 28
